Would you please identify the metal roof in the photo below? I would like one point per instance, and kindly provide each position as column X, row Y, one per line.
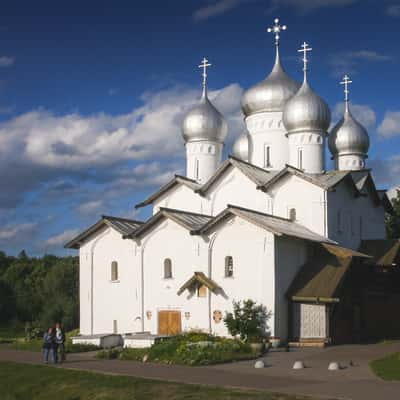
column 177, row 180
column 190, row 221
column 385, row 252
column 276, row 225
column 320, row 278
column 121, row 225
column 256, row 174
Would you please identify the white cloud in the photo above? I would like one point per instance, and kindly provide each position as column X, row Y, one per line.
column 62, row 238
column 393, row 10
column 307, row 6
column 390, row 126
column 91, row 207
column 74, row 141
column 386, row 172
column 349, row 62
column 14, row 232
column 217, row 8
column 363, row 113
column 6, row 61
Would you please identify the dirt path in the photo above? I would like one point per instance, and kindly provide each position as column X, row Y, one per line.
column 354, row 382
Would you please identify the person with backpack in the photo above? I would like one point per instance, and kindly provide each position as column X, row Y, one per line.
column 49, row 346
column 59, row 342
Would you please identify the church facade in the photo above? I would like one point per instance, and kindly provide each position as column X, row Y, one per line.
column 269, row 223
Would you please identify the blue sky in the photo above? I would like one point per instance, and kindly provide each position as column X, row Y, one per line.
column 92, row 95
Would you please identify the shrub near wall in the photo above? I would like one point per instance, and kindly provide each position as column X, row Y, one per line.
column 188, row 349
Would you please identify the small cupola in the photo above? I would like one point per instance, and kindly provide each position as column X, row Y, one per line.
column 348, row 140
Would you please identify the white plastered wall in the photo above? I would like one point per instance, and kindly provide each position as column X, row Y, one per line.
column 290, row 256
column 181, row 198
column 111, row 301
column 202, row 159
column 237, row 189
column 188, row 255
column 252, row 250
column 352, row 219
column 266, row 129
column 307, row 198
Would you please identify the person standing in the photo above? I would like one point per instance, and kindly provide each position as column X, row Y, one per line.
column 49, row 346
column 59, row 341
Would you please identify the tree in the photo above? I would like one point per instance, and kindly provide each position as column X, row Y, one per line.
column 248, row 320
column 393, row 220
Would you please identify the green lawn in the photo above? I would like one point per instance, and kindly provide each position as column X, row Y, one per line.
column 36, row 382
column 387, row 368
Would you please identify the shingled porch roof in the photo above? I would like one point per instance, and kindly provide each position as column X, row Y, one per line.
column 201, row 278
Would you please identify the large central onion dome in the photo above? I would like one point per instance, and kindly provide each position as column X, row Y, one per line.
column 204, row 122
column 272, row 93
column 348, row 136
column 240, row 148
column 306, row 111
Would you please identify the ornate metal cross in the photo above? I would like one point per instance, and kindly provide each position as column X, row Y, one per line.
column 304, row 49
column 276, row 29
column 346, row 82
column 204, row 64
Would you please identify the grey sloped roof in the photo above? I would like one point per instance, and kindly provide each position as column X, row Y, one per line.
column 190, row 221
column 256, row 174
column 121, row 225
column 276, row 225
column 177, row 180
column 326, row 180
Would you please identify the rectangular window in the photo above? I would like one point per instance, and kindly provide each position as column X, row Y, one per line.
column 114, row 271
column 300, row 158
column 267, row 156
column 196, row 169
column 228, row 267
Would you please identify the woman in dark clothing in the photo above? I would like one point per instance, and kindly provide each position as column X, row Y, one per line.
column 49, row 346
column 59, row 343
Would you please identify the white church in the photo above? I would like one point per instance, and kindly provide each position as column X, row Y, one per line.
column 270, row 223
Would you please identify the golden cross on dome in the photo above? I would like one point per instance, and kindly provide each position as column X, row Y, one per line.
column 205, row 64
column 276, row 29
column 305, row 49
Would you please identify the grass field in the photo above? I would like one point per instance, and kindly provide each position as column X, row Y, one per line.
column 36, row 382
column 387, row 368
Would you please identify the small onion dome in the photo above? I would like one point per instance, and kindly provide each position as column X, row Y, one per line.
column 240, row 148
column 272, row 93
column 306, row 112
column 204, row 122
column 348, row 136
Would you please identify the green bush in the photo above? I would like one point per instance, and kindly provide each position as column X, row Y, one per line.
column 109, row 354
column 248, row 320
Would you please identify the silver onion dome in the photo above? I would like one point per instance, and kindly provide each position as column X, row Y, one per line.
column 204, row 121
column 240, row 148
column 272, row 93
column 348, row 136
column 306, row 111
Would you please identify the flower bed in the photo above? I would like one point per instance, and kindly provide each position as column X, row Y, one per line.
column 188, row 349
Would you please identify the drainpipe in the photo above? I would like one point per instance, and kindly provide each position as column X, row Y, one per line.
column 325, row 215
column 142, row 283
column 210, row 250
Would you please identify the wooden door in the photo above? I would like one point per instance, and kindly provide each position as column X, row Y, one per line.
column 169, row 322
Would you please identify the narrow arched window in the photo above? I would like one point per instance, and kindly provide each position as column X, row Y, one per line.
column 167, row 268
column 114, row 271
column 292, row 214
column 228, row 267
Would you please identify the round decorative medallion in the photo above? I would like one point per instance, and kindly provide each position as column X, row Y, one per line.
column 217, row 316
